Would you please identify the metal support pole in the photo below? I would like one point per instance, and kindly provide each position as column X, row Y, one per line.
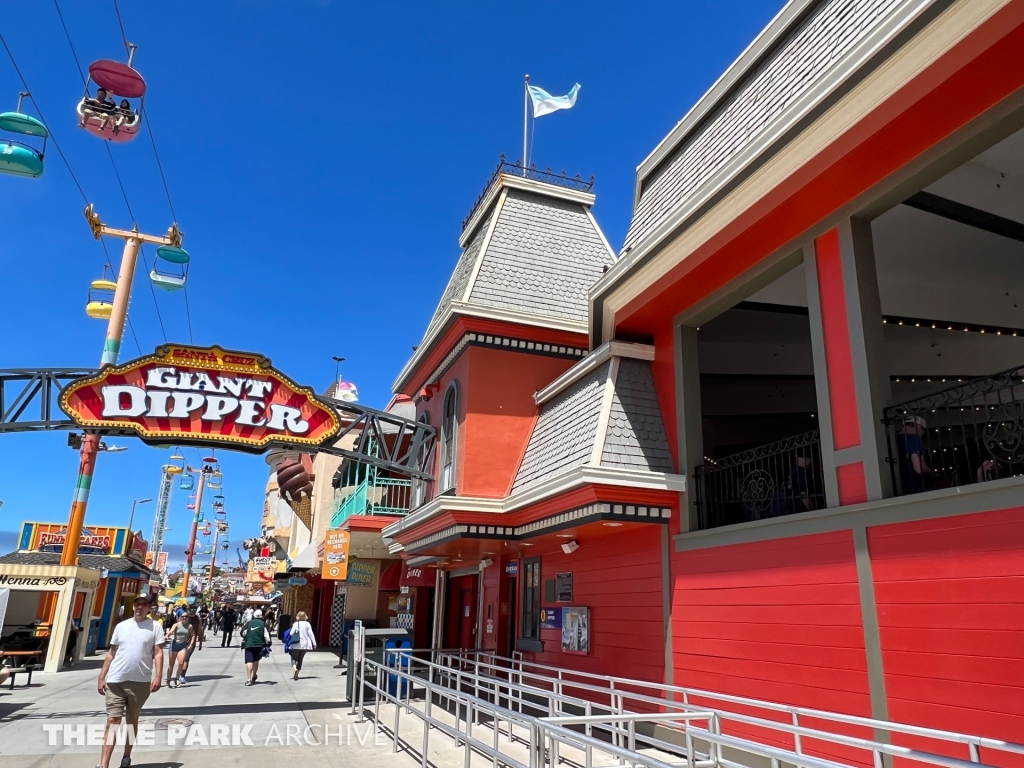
column 213, row 557
column 526, row 113
column 91, row 443
column 190, row 554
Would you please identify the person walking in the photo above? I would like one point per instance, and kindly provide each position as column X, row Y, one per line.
column 131, row 671
column 182, row 635
column 255, row 639
column 228, row 618
column 301, row 640
column 197, row 639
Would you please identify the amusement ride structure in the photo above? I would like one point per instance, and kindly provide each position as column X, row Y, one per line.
column 114, row 113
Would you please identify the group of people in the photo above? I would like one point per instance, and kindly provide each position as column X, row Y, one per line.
column 108, row 111
column 134, row 664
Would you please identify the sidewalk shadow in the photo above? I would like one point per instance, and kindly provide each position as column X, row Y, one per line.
column 157, row 765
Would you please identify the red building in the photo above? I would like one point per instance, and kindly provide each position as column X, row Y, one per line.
column 773, row 446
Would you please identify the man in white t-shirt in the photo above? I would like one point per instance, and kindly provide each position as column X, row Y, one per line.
column 132, row 669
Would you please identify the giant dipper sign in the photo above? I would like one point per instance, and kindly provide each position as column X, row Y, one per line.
column 201, row 396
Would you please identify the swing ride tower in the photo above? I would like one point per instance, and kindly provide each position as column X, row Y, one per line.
column 133, row 239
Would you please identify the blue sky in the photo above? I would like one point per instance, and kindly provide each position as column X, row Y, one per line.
column 320, row 156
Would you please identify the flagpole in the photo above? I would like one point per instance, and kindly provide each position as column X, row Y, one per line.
column 526, row 112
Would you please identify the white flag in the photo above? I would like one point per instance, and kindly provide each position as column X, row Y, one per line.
column 544, row 103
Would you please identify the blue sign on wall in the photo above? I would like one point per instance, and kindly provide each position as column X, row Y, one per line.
column 550, row 618
column 512, row 568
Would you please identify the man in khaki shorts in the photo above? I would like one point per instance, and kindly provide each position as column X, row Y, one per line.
column 132, row 669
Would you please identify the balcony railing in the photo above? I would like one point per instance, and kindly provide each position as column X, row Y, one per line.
column 374, row 496
column 969, row 433
column 781, row 478
column 547, row 176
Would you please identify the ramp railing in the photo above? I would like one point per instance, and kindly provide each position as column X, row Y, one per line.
column 476, row 698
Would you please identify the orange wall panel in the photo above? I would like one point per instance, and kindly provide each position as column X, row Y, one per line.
column 500, row 415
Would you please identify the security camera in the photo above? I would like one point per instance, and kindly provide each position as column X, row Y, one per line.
column 570, row 546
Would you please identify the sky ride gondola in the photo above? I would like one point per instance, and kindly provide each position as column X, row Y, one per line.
column 172, row 278
column 16, row 157
column 187, row 482
column 109, row 120
column 175, row 464
column 100, row 303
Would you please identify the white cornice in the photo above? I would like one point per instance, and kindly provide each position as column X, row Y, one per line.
column 483, row 247
column 462, row 309
column 508, row 181
column 567, row 481
column 596, row 358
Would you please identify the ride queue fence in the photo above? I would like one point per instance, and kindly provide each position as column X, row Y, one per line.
column 781, row 478
column 968, row 433
column 613, row 720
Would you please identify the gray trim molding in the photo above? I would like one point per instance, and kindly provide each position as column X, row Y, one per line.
column 872, row 635
column 947, row 502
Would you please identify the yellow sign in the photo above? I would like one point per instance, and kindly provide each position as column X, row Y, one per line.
column 336, row 546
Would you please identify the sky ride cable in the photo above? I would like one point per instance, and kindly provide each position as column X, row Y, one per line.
column 163, row 178
column 120, row 184
column 49, row 130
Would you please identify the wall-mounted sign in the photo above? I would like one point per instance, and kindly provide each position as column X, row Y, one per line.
column 201, row 395
column 336, row 546
column 576, row 630
column 550, row 618
column 94, row 541
column 137, row 548
column 512, row 568
column 361, row 573
column 563, row 587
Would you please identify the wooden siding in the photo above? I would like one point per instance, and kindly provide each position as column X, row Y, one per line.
column 619, row 578
column 775, row 620
column 950, row 597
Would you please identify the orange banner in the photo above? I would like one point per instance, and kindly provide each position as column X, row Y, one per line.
column 336, row 546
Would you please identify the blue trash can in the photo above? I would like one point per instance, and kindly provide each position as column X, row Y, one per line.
column 92, row 640
column 391, row 659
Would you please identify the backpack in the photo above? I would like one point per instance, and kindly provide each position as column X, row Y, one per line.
column 287, row 640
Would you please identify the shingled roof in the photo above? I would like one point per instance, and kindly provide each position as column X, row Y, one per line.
column 534, row 250
column 112, row 563
column 779, row 78
column 607, row 417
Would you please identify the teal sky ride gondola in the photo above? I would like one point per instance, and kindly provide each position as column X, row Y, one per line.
column 16, row 157
column 170, row 270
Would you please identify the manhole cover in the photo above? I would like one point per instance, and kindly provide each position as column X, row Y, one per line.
column 164, row 723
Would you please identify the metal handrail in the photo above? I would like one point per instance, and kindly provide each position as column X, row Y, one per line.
column 399, row 668
column 563, row 679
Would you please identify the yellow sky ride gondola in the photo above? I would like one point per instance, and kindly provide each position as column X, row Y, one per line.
column 100, row 303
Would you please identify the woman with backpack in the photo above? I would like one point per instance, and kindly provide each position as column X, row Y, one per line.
column 255, row 642
column 299, row 640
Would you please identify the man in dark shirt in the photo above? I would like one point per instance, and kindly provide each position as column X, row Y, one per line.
column 911, row 450
column 227, row 625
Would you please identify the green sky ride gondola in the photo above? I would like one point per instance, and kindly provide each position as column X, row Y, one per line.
column 16, row 157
